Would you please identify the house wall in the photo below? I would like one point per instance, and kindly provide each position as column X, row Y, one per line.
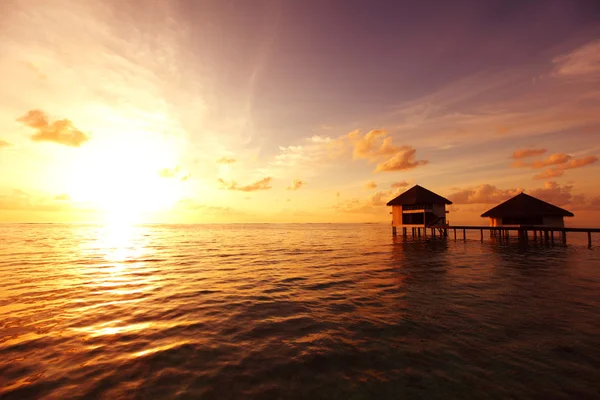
column 396, row 215
column 547, row 221
column 438, row 209
column 558, row 222
column 495, row 222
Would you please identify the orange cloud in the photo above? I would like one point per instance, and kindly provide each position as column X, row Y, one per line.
column 401, row 184
column 372, row 205
column 553, row 159
column 483, row 194
column 550, row 173
column 553, row 193
column 62, row 197
column 524, row 153
column 370, row 185
column 262, row 184
column 401, row 161
column 4, row 143
column 580, row 162
column 373, row 144
column 61, row 131
column 226, row 160
column 297, row 184
column 570, row 164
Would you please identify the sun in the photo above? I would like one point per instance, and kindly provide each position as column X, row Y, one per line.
column 120, row 178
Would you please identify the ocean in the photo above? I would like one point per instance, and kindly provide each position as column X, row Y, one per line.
column 293, row 311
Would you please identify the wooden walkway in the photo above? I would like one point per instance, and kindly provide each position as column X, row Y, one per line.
column 524, row 233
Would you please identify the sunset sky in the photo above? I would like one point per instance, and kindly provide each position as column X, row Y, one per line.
column 295, row 111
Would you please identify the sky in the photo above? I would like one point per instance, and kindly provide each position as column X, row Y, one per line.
column 295, row 111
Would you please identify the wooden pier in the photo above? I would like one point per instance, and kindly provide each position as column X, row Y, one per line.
column 544, row 234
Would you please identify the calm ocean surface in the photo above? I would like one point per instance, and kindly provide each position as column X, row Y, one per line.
column 293, row 311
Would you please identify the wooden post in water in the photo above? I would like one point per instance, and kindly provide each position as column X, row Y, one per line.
column 404, row 231
column 464, row 235
column 393, row 231
column 433, row 232
column 564, row 237
column 481, row 235
column 535, row 235
column 454, row 233
column 546, row 237
column 590, row 239
column 419, row 231
column 552, row 237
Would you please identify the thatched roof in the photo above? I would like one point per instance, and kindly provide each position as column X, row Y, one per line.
column 524, row 205
column 418, row 195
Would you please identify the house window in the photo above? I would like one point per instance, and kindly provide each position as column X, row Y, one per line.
column 413, row 207
column 412, row 219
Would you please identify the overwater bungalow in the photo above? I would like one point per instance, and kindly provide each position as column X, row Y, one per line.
column 418, row 208
column 526, row 210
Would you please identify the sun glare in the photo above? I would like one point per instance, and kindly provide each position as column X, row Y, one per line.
column 120, row 178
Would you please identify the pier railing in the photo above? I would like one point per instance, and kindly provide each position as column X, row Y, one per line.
column 546, row 233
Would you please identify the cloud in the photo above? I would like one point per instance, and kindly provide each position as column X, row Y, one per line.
column 572, row 163
column 549, row 173
column 192, row 205
column 263, row 184
column 18, row 199
column 553, row 193
column 376, row 146
column 226, row 160
column 4, row 143
column 374, row 204
column 61, row 131
column 560, row 162
column 370, row 185
column 524, row 153
column 401, row 161
column 29, row 65
column 297, row 184
column 62, row 197
column 483, row 194
column 582, row 61
column 372, row 145
column 176, row 172
column 553, row 159
column 400, row 184
column 382, row 197
column 580, row 162
column 169, row 172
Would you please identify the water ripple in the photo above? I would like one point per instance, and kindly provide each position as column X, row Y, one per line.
column 292, row 311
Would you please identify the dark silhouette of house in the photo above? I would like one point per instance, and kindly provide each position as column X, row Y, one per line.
column 418, row 207
column 524, row 209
